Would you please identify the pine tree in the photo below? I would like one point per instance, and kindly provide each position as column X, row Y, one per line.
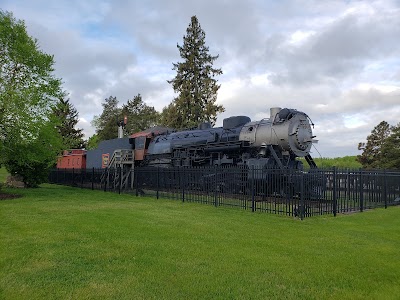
column 68, row 118
column 372, row 151
column 194, row 82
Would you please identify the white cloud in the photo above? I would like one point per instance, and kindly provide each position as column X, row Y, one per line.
column 88, row 130
column 299, row 37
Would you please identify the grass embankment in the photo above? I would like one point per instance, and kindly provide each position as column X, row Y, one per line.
column 346, row 162
column 65, row 243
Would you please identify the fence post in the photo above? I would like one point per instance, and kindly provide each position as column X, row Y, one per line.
column 334, row 191
column 120, row 180
column 158, row 181
column 92, row 178
column 73, row 176
column 302, row 205
column 348, row 185
column 136, row 175
column 385, row 188
column 82, row 171
column 215, row 185
column 105, row 178
column 361, row 192
column 132, row 173
column 243, row 183
column 216, row 202
column 253, row 202
column 183, row 183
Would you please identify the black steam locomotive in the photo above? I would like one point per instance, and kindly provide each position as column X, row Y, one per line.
column 264, row 151
column 273, row 142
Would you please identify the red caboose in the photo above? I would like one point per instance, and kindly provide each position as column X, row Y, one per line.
column 72, row 159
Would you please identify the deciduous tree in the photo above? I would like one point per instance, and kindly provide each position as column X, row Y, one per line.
column 28, row 92
column 391, row 149
column 371, row 156
column 140, row 115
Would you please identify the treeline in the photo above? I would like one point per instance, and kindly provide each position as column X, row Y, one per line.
column 382, row 150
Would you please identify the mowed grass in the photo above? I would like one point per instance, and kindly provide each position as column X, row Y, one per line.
column 68, row 243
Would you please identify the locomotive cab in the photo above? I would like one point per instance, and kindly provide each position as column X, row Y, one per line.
column 141, row 141
column 141, row 144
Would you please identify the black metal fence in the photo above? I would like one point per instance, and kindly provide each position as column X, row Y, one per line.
column 286, row 192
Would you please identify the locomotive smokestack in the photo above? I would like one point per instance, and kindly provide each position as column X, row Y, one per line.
column 273, row 112
column 121, row 125
column 120, row 132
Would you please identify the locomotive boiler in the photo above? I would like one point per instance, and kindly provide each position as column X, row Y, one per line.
column 274, row 142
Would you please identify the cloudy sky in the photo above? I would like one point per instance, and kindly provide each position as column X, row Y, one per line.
column 338, row 61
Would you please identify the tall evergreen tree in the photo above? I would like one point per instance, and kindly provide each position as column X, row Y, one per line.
column 140, row 115
column 68, row 118
column 372, row 151
column 106, row 124
column 194, row 82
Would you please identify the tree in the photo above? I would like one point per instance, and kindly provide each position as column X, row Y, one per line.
column 106, row 124
column 68, row 117
column 92, row 142
column 32, row 158
column 28, row 92
column 391, row 149
column 170, row 117
column 372, row 150
column 140, row 116
column 194, row 82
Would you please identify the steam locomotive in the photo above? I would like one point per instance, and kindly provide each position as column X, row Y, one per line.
column 264, row 156
column 274, row 142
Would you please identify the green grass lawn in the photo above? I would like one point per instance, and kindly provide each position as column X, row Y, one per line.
column 67, row 243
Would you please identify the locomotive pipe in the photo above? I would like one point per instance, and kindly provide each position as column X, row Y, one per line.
column 225, row 148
